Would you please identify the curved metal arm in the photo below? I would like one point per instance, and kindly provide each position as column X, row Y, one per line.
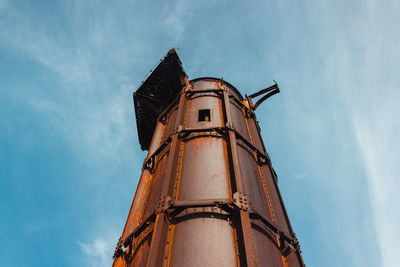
column 270, row 91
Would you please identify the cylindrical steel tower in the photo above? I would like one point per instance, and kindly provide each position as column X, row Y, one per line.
column 208, row 195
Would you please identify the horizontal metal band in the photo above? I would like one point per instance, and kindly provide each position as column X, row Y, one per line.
column 175, row 207
column 189, row 93
column 184, row 133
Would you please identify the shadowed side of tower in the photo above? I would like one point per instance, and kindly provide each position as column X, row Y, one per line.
column 207, row 195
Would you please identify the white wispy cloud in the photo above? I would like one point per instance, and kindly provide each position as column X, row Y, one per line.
column 89, row 108
column 48, row 45
column 378, row 139
column 97, row 248
column 377, row 123
column 97, row 253
column 177, row 16
column 91, row 115
column 97, row 132
column 102, row 43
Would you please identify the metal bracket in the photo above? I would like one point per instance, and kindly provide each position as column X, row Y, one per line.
column 295, row 242
column 262, row 159
column 131, row 242
column 230, row 126
column 178, row 129
column 241, row 201
column 284, row 245
column 118, row 249
column 149, row 163
column 163, row 204
column 119, row 252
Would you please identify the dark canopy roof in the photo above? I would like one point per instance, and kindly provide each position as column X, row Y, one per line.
column 160, row 88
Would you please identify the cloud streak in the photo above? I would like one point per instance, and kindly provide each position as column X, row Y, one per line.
column 49, row 46
column 97, row 253
column 377, row 124
column 378, row 139
column 330, row 59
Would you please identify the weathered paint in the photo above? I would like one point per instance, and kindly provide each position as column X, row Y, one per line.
column 208, row 195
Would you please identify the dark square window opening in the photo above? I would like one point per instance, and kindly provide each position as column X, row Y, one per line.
column 204, row 115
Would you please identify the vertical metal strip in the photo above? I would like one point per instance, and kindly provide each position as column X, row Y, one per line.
column 178, row 174
column 274, row 180
column 245, row 224
column 283, row 258
column 157, row 247
column 176, row 177
column 168, row 245
column 280, row 199
column 266, row 193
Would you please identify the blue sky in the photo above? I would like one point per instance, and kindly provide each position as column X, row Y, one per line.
column 70, row 158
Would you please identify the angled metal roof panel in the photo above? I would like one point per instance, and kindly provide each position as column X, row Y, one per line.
column 160, row 88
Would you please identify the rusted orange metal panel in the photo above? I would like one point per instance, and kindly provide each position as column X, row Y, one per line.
column 208, row 194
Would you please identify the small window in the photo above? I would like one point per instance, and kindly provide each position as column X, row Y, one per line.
column 204, row 115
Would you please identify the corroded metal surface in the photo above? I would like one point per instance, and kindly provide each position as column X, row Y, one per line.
column 208, row 194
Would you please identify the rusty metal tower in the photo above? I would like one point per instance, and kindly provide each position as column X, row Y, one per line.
column 207, row 195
